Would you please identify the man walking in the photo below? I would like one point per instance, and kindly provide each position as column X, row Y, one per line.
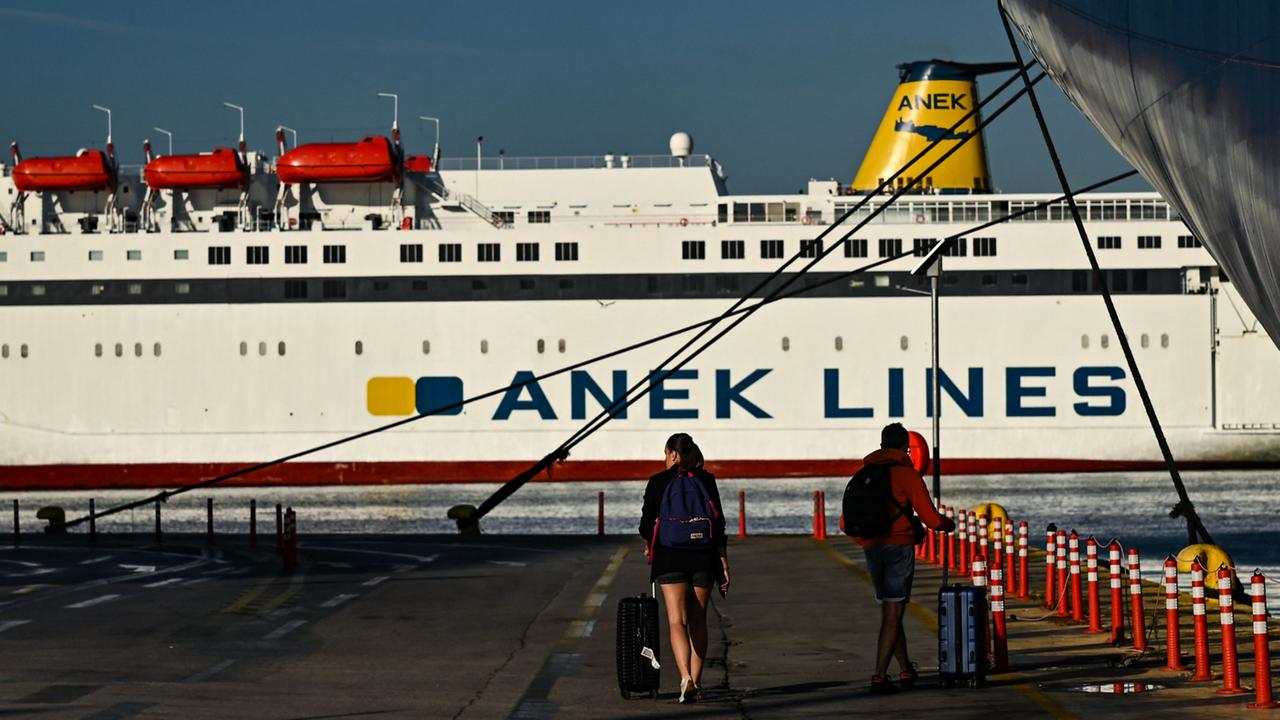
column 891, row 479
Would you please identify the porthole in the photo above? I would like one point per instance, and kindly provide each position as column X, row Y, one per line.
column 786, row 344
column 280, row 348
column 426, row 347
column 1164, row 340
column 23, row 350
column 359, row 347
column 1084, row 341
column 4, row 351
column 560, row 346
column 839, row 343
column 1105, row 341
column 137, row 349
column 902, row 342
column 119, row 350
column 1144, row 340
column 262, row 348
column 97, row 349
column 542, row 346
column 244, row 348
column 484, row 346
column 155, row 350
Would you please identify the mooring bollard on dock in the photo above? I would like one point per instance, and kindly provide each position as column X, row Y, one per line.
column 1091, row 570
column 1172, row 634
column 1117, row 593
column 253, row 523
column 1261, row 650
column 1200, row 623
column 1227, row 618
column 742, row 513
column 1135, row 598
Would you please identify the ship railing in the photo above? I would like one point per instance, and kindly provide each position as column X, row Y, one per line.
column 574, row 162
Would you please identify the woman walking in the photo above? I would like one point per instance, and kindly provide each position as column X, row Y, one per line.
column 683, row 530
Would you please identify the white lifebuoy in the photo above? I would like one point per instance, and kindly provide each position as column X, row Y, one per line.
column 919, row 217
column 806, row 220
column 684, row 222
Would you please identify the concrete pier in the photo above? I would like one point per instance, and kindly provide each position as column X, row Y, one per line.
column 502, row 626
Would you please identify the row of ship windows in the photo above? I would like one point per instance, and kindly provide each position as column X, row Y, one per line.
column 853, row 248
column 971, row 211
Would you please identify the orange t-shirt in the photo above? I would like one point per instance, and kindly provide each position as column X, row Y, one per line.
column 909, row 490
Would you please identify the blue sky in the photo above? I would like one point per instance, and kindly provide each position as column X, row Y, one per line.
column 778, row 92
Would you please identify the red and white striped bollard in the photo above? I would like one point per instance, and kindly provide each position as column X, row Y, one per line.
column 1117, row 593
column 1024, row 577
column 1050, row 556
column 1091, row 569
column 1227, row 618
column 1200, row 623
column 1172, row 633
column 1077, row 600
column 1060, row 563
column 1010, row 561
column 1135, row 599
column 1000, row 639
column 1261, row 650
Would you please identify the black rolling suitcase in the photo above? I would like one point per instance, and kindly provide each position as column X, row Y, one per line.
column 962, row 635
column 638, row 665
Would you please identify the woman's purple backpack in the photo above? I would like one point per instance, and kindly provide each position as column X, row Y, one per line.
column 685, row 514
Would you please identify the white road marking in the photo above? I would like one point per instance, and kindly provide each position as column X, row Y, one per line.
column 94, row 601
column 139, row 568
column 10, row 624
column 28, row 588
column 595, row 599
column 371, row 582
column 197, row 581
column 284, row 629
column 22, row 563
column 92, row 561
column 239, row 571
column 419, row 558
column 509, row 563
column 334, row 564
column 581, row 628
column 210, row 671
column 337, row 600
column 162, row 583
column 220, row 571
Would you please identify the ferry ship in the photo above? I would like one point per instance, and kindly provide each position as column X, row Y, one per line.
column 164, row 325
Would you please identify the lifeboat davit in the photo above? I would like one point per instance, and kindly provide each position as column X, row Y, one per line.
column 218, row 170
column 370, row 160
column 89, row 170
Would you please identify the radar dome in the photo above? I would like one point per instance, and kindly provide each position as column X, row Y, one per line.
column 681, row 144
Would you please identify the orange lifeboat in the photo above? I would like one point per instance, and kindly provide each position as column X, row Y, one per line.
column 370, row 160
column 90, row 170
column 220, row 169
column 417, row 164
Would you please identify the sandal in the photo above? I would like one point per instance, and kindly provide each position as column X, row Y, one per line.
column 880, row 685
column 907, row 678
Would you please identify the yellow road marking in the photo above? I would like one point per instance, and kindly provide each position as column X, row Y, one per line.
column 595, row 597
column 247, row 598
column 28, row 589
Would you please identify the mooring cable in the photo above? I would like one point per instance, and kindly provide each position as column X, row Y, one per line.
column 1184, row 506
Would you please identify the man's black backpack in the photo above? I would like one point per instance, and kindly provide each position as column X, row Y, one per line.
column 866, row 505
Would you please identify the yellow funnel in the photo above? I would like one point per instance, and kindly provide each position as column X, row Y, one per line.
column 932, row 96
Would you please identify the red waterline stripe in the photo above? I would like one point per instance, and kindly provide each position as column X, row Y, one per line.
column 160, row 475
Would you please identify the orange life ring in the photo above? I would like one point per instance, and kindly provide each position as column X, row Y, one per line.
column 806, row 220
column 684, row 222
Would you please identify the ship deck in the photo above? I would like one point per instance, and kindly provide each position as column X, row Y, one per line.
column 497, row 626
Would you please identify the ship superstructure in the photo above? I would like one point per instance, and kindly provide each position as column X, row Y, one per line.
column 163, row 326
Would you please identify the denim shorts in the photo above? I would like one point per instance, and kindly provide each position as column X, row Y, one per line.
column 697, row 578
column 892, row 569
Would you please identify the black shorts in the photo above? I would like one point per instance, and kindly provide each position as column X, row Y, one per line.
column 697, row 578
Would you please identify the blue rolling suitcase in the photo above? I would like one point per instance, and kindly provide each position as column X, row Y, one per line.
column 637, row 648
column 962, row 635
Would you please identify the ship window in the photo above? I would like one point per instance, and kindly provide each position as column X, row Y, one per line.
column 733, row 249
column 903, row 342
column 335, row 254
column 890, row 247
column 4, row 291
column 489, row 252
column 1079, row 281
column 526, row 252
column 988, row 279
column 280, row 348
column 4, row 256
column 1144, row 340
column 722, row 212
column 1188, row 241
column 810, row 248
column 757, row 212
column 527, row 283
column 542, row 346
column 478, row 284
column 1148, row 242
column 219, row 255
column 561, row 345
column 1119, row 281
column 295, row 254
column 381, row 285
column 855, row 247
column 1019, row 279
column 566, row 283
column 484, row 346
column 1108, row 242
column 693, row 250
column 333, row 289
column 135, row 288
column 295, row 289
column 419, row 286
column 37, row 290
column 450, row 252
column 567, row 251
column 956, row 248
column 262, row 348
column 155, row 349
column 37, row 256
column 539, row 217
column 771, row 249
column 359, row 347
column 786, row 344
column 839, row 343
column 426, row 347
column 244, row 348
column 119, row 350
column 1105, row 341
column 180, row 254
column 95, row 255
column 740, row 212
column 411, row 253
column 97, row 289
column 1139, row 280
column 97, row 349
column 921, row 246
column 23, row 350
column 507, row 217
column 984, row 247
column 880, row 281
column 727, row 283
column 1084, row 341
column 182, row 288
column 137, row 349
column 1164, row 340
column 133, row 254
column 4, row 351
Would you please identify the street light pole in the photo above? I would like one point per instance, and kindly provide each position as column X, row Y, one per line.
column 935, row 274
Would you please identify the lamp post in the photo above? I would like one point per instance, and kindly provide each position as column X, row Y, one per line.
column 931, row 266
column 167, row 134
column 435, row 153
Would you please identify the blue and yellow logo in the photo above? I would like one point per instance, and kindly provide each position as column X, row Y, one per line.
column 400, row 396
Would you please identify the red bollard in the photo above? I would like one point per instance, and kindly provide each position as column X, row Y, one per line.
column 979, row 573
column 600, row 513
column 1024, row 576
column 815, row 516
column 819, row 516
column 996, row 531
column 253, row 523
column 966, row 561
column 1060, row 562
column 742, row 513
column 973, row 535
column 291, row 540
column 1135, row 598
column 983, row 535
column 1010, row 562
column 1261, row 651
column 1091, row 568
column 1172, row 634
column 1000, row 639
column 1227, row 617
column 1050, row 556
column 1077, row 600
column 1117, row 594
column 953, row 545
column 209, row 521
column 822, row 516
column 1200, row 621
column 279, row 529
